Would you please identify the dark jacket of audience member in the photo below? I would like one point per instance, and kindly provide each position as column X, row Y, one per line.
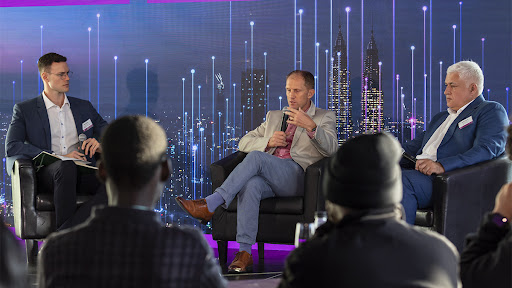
column 126, row 244
column 486, row 260
column 365, row 243
column 12, row 265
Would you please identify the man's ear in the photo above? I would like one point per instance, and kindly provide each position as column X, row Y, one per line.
column 101, row 174
column 311, row 92
column 44, row 76
column 166, row 170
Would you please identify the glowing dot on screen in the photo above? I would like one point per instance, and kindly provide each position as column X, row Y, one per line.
column 213, row 57
column 279, row 96
column 194, row 147
column 339, row 53
column 460, row 3
column 89, row 29
column 424, row 8
column 454, row 26
column 347, row 9
column 301, row 11
column 41, row 26
column 506, row 88
column 193, row 71
column 182, row 79
column 199, row 86
column 98, row 15
column 317, row 44
column 21, row 61
column 265, row 53
column 252, row 23
column 115, row 57
column 483, row 39
column 397, row 76
column 147, row 60
column 234, row 84
column 440, row 62
column 326, row 51
column 380, row 63
column 412, row 47
column 201, row 129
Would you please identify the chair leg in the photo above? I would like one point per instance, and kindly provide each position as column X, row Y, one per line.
column 261, row 250
column 32, row 249
column 222, row 249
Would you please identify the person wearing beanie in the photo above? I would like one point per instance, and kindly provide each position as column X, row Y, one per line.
column 472, row 130
column 365, row 243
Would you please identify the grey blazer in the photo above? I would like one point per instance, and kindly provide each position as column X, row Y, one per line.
column 304, row 151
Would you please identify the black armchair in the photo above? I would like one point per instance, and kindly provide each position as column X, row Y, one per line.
column 34, row 213
column 278, row 216
column 461, row 197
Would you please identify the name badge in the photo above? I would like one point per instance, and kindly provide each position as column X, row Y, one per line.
column 466, row 122
column 87, row 125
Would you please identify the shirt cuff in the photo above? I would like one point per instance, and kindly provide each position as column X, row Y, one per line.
column 311, row 134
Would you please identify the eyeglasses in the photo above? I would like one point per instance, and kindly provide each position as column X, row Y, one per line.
column 62, row 75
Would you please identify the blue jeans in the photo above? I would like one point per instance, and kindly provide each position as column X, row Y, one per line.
column 259, row 176
column 417, row 189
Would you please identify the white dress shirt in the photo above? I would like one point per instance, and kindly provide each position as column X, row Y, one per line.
column 62, row 126
column 430, row 149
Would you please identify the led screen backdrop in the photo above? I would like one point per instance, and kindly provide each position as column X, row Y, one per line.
column 208, row 71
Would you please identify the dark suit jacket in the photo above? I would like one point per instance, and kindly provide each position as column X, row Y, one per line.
column 29, row 132
column 125, row 247
column 483, row 139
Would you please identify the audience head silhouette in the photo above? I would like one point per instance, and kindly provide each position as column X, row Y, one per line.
column 365, row 174
column 134, row 164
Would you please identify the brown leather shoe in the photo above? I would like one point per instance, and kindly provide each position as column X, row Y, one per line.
column 241, row 263
column 196, row 209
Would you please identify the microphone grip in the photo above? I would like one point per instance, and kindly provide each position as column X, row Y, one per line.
column 409, row 157
column 284, row 124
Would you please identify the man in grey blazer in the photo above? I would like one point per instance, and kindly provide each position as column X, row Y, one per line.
column 275, row 163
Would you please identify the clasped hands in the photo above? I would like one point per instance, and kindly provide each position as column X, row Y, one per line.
column 90, row 147
column 296, row 117
column 429, row 167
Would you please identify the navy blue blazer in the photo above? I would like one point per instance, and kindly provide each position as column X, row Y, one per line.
column 29, row 132
column 469, row 142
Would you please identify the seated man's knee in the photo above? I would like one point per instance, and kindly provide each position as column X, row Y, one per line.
column 64, row 168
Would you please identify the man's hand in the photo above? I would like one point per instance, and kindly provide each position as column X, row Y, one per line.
column 503, row 203
column 76, row 155
column 91, row 146
column 429, row 167
column 300, row 118
column 277, row 140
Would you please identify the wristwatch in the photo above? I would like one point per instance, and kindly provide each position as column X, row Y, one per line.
column 314, row 129
column 498, row 219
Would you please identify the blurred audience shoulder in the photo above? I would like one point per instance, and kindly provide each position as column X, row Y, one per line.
column 126, row 244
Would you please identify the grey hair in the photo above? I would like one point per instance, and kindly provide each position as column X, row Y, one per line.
column 470, row 72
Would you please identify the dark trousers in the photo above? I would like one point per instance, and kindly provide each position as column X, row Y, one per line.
column 63, row 180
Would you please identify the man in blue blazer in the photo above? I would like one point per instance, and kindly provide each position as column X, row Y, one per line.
column 471, row 131
column 52, row 122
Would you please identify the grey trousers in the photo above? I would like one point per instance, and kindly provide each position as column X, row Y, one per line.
column 259, row 176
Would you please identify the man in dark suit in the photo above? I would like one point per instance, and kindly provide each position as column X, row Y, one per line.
column 52, row 122
column 471, row 131
column 125, row 244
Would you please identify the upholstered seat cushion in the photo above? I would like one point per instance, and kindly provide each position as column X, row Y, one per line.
column 277, row 205
column 44, row 202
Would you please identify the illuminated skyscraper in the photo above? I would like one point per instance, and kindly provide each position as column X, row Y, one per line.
column 340, row 95
column 371, row 93
column 255, row 104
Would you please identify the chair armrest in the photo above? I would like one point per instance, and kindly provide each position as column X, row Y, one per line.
column 24, row 189
column 462, row 196
column 221, row 169
column 313, row 196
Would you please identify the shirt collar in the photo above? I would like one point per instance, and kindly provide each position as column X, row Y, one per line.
column 49, row 104
column 452, row 112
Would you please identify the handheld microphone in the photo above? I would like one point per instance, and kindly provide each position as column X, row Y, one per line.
column 284, row 124
column 409, row 157
column 81, row 138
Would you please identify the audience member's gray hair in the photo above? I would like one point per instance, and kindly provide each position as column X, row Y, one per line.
column 470, row 72
column 132, row 148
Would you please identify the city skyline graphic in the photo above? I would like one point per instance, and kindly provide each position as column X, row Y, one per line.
column 209, row 72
